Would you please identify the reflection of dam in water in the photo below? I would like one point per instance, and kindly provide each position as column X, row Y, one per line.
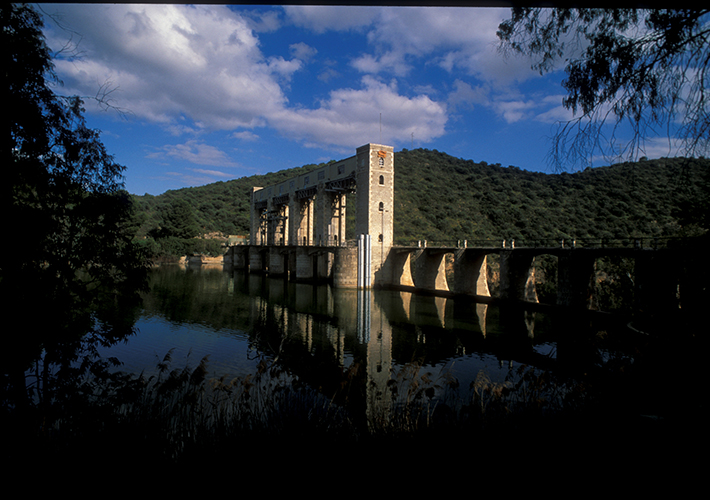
column 323, row 337
column 384, row 330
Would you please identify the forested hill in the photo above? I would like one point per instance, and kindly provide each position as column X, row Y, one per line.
column 442, row 198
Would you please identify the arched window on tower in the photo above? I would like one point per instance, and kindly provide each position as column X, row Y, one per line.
column 382, row 207
column 382, row 161
column 382, row 180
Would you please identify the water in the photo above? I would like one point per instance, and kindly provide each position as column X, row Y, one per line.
column 319, row 332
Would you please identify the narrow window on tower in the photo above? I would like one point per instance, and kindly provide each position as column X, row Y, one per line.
column 382, row 180
column 382, row 207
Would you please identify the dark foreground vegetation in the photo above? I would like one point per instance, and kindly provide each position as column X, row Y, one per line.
column 647, row 409
column 182, row 418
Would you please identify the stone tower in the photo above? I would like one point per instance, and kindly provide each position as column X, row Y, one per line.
column 375, row 202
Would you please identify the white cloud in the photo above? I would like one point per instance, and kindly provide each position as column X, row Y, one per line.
column 246, row 136
column 389, row 61
column 650, row 147
column 326, row 18
column 262, row 21
column 466, row 96
column 351, row 117
column 282, row 67
column 455, row 38
column 211, row 173
column 557, row 113
column 195, row 152
column 302, row 51
column 192, row 177
column 513, row 111
column 328, row 74
column 173, row 61
column 201, row 68
column 461, row 41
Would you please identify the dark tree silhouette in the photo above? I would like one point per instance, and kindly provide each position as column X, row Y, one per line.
column 69, row 271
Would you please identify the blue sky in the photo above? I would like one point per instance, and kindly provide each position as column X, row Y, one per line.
column 212, row 93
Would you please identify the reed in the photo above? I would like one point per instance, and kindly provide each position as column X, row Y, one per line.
column 181, row 414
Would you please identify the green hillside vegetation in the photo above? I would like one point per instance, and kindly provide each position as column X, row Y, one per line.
column 441, row 198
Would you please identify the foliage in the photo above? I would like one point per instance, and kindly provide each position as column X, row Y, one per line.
column 176, row 234
column 172, row 248
column 178, row 220
column 63, row 193
column 644, row 68
column 614, row 286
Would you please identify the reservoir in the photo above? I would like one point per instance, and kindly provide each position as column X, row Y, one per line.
column 318, row 332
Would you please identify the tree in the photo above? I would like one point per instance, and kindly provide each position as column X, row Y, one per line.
column 178, row 220
column 646, row 69
column 69, row 270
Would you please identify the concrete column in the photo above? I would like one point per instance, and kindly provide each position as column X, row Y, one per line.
column 339, row 216
column 430, row 270
column 471, row 273
column 282, row 236
column 300, row 221
column 308, row 211
column 324, row 267
column 277, row 263
column 295, row 218
column 399, row 269
column 345, row 267
column 270, row 223
column 656, row 283
column 574, row 274
column 240, row 256
column 304, row 263
column 257, row 262
column 255, row 228
column 516, row 275
column 326, row 223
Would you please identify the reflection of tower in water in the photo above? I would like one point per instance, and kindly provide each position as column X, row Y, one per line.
column 375, row 331
column 320, row 320
column 334, row 332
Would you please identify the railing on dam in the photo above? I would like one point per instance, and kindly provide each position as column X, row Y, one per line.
column 512, row 243
column 327, row 241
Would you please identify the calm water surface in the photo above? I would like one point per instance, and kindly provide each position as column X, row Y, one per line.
column 237, row 320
